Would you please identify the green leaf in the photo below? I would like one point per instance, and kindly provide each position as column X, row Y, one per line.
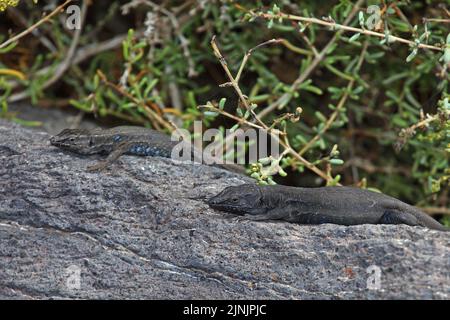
column 412, row 55
column 354, row 37
column 9, row 47
column 313, row 89
column 234, row 128
column 320, row 116
column 282, row 173
column 337, row 162
column 222, row 103
column 210, row 113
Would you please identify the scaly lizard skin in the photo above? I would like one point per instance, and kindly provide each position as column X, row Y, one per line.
column 338, row 205
column 123, row 140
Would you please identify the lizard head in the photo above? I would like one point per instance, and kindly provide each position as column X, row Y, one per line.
column 76, row 140
column 243, row 199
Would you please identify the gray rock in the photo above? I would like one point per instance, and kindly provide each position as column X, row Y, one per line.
column 142, row 230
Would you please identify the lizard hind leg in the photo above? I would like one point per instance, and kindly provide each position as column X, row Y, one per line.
column 392, row 216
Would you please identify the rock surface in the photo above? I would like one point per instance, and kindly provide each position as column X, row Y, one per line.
column 142, row 230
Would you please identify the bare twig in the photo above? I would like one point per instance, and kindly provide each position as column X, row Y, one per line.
column 64, row 65
column 173, row 20
column 87, row 52
column 311, row 67
column 436, row 210
column 407, row 133
column 275, row 136
column 233, row 81
column 401, row 15
column 423, row 122
column 425, row 20
column 249, row 53
column 16, row 15
column 70, row 53
column 232, row 116
column 344, row 27
column 272, row 132
column 154, row 117
column 34, row 26
column 339, row 106
column 309, row 44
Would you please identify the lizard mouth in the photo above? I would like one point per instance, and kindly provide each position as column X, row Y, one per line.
column 217, row 205
column 60, row 143
column 54, row 141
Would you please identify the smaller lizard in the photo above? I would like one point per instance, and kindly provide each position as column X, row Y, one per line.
column 338, row 205
column 124, row 140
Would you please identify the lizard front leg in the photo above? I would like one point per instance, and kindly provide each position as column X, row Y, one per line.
column 119, row 150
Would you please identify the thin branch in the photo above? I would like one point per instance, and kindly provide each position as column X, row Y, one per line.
column 436, row 210
column 402, row 16
column 34, row 26
column 344, row 27
column 340, row 105
column 249, row 53
column 425, row 20
column 311, row 67
column 64, row 65
column 406, row 133
column 308, row 42
column 152, row 115
column 173, row 20
column 422, row 123
column 70, row 53
column 275, row 135
column 263, row 126
column 85, row 53
column 233, row 81
column 16, row 15
column 231, row 116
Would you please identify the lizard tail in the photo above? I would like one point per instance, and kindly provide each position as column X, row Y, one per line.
column 431, row 223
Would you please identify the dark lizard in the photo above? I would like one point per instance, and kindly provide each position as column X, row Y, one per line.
column 124, row 140
column 338, row 205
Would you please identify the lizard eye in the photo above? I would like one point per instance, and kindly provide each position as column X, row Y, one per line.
column 235, row 199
